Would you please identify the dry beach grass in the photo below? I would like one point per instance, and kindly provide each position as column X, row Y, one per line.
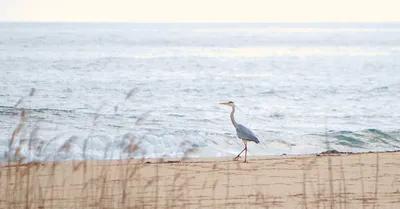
column 367, row 180
column 330, row 180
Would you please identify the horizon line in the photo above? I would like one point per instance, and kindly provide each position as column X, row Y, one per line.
column 205, row 22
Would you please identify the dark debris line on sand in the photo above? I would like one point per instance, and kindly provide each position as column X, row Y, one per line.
column 335, row 152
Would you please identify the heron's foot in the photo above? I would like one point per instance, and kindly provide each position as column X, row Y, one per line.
column 236, row 158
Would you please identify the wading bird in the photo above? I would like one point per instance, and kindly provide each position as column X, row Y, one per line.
column 243, row 132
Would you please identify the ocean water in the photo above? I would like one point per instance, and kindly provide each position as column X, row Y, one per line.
column 97, row 86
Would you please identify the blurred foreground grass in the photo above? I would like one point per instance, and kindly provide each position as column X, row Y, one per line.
column 333, row 180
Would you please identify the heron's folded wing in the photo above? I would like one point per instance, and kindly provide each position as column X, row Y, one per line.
column 244, row 133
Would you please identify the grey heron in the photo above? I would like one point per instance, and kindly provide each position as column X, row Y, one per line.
column 242, row 131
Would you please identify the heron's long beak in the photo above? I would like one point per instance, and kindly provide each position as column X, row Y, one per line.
column 224, row 103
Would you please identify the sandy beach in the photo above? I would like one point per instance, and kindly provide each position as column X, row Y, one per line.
column 368, row 180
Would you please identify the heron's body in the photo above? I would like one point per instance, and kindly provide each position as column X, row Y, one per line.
column 242, row 131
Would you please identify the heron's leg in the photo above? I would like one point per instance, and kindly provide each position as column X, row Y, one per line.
column 238, row 156
column 245, row 154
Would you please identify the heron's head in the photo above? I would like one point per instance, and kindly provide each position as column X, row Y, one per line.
column 230, row 103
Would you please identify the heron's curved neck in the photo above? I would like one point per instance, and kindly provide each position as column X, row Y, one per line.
column 233, row 117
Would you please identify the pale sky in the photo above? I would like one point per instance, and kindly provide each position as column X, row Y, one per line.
column 201, row 10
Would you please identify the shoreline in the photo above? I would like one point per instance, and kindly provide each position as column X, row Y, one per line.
column 202, row 159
